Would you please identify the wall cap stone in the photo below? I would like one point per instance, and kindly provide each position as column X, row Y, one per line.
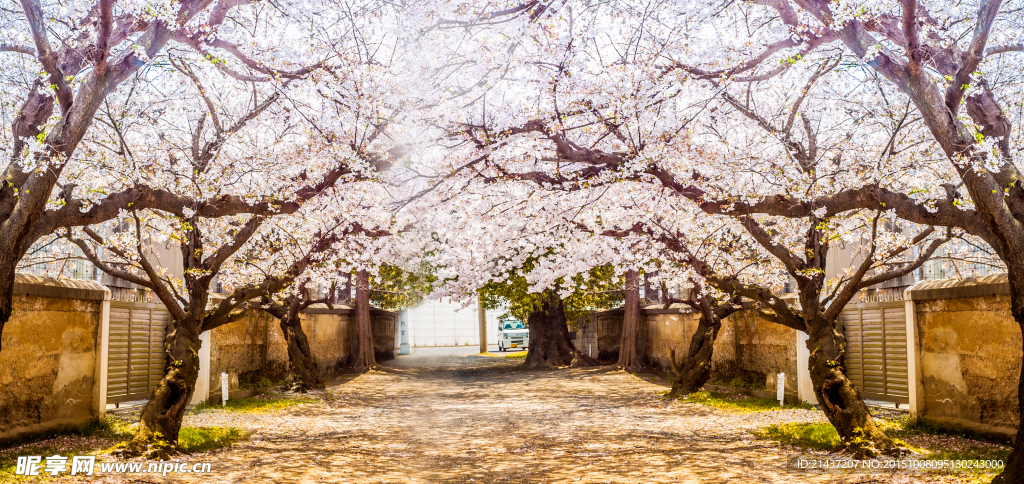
column 320, row 308
column 979, row 286
column 39, row 286
column 680, row 308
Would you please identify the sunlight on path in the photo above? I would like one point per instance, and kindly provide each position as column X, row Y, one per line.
column 468, row 418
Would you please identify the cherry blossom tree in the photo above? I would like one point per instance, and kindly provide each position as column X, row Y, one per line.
column 303, row 374
column 549, row 313
column 327, row 227
column 957, row 64
column 694, row 369
column 920, row 51
column 604, row 94
column 206, row 246
column 516, row 245
column 727, row 146
column 62, row 61
column 286, row 143
column 709, row 245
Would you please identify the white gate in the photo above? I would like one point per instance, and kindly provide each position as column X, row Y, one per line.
column 876, row 349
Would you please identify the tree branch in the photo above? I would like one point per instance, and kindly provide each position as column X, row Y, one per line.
column 21, row 49
column 104, row 266
column 103, row 36
column 239, row 239
column 34, row 16
column 1001, row 49
column 974, row 55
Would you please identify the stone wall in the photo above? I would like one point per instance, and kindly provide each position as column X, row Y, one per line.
column 49, row 356
column 254, row 348
column 248, row 350
column 764, row 349
column 666, row 332
column 747, row 346
column 330, row 334
column 53, row 354
column 382, row 324
column 969, row 353
column 609, row 334
column 964, row 357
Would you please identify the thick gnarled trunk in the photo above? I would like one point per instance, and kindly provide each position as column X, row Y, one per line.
column 1014, row 470
column 695, row 369
column 363, row 357
column 550, row 345
column 160, row 422
column 629, row 346
column 6, row 295
column 840, row 400
column 303, row 375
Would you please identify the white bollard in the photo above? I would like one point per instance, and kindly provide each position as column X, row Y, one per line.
column 223, row 389
column 780, row 386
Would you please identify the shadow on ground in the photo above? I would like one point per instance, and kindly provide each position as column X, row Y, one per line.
column 469, row 418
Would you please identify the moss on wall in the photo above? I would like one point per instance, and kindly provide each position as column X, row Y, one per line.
column 747, row 346
column 254, row 349
column 970, row 350
column 609, row 335
column 48, row 364
column 329, row 340
column 382, row 323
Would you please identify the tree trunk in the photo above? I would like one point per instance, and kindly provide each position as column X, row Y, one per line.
column 550, row 345
column 1014, row 470
column 839, row 398
column 363, row 359
column 160, row 422
column 629, row 346
column 695, row 369
column 303, row 374
column 6, row 296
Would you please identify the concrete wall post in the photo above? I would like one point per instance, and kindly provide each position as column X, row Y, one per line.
column 804, row 385
column 482, row 316
column 102, row 362
column 915, row 391
column 202, row 392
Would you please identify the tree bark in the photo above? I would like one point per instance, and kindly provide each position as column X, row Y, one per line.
column 160, row 422
column 629, row 346
column 303, row 375
column 364, row 358
column 550, row 345
column 6, row 294
column 1014, row 470
column 840, row 400
column 695, row 369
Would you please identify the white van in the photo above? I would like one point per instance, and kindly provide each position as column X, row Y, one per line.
column 512, row 334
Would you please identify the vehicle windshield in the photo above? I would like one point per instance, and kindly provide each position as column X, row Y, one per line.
column 512, row 325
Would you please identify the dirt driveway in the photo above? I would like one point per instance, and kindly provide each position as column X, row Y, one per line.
column 468, row 418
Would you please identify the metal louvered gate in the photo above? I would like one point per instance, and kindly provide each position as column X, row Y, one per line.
column 135, row 358
column 876, row 349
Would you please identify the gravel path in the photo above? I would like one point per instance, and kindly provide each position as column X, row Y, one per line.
column 468, row 418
